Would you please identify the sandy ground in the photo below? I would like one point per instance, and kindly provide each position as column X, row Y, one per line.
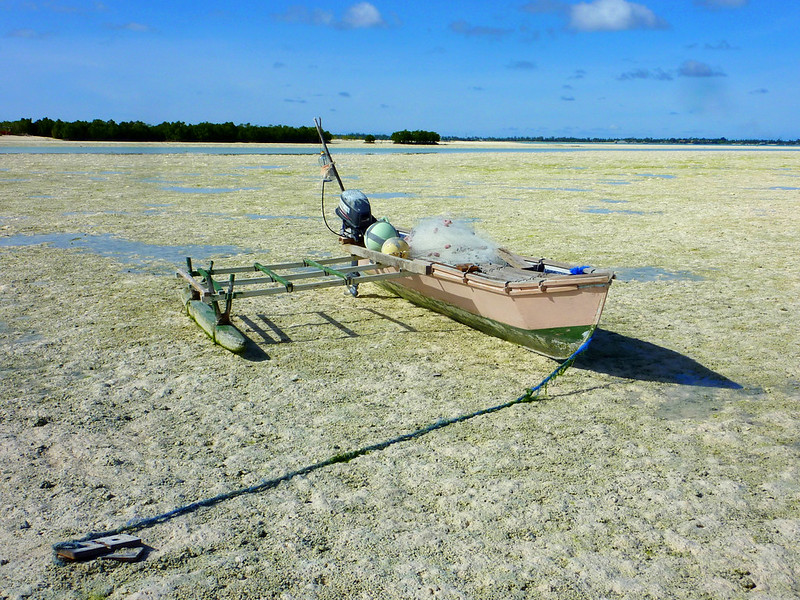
column 663, row 465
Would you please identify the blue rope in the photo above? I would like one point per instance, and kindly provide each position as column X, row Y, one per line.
column 530, row 395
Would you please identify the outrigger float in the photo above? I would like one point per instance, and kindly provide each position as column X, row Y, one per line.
column 547, row 306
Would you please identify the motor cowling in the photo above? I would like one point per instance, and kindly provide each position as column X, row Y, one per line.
column 356, row 215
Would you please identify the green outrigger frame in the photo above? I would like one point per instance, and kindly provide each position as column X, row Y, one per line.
column 209, row 301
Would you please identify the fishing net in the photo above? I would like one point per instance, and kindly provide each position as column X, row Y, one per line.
column 450, row 241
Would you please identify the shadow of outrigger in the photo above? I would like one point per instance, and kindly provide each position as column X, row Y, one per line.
column 631, row 358
column 263, row 332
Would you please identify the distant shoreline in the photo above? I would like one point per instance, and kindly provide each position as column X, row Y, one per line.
column 23, row 144
column 347, row 141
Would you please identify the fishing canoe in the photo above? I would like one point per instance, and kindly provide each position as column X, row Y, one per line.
column 550, row 307
column 536, row 303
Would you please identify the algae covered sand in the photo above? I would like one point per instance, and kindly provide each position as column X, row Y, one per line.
column 663, row 464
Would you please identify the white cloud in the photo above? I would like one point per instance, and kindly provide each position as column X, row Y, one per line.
column 657, row 74
column 465, row 28
column 301, row 14
column 695, row 68
column 613, row 15
column 722, row 45
column 322, row 17
column 362, row 15
column 133, row 26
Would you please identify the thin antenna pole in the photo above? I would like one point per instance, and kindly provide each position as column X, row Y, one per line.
column 318, row 123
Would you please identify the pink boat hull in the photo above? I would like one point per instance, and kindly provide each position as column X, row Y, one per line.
column 553, row 314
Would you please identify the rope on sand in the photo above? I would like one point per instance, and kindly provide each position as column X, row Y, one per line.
column 530, row 395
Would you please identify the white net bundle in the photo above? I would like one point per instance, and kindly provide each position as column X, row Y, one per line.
column 450, row 241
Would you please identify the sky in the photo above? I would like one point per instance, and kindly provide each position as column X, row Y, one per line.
column 472, row 68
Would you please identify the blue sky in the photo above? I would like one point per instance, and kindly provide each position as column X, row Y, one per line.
column 605, row 68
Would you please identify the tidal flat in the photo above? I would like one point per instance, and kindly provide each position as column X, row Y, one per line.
column 664, row 464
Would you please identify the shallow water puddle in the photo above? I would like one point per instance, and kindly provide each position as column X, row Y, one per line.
column 257, row 217
column 389, row 195
column 127, row 251
column 300, row 217
column 599, row 210
column 558, row 189
column 206, row 190
column 248, row 167
column 655, row 274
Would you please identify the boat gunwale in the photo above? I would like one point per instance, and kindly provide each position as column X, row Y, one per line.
column 537, row 284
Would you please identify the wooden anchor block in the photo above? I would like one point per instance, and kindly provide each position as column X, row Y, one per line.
column 126, row 554
column 105, row 547
column 123, row 540
column 82, row 550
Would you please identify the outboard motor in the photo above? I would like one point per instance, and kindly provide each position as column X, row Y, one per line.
column 356, row 215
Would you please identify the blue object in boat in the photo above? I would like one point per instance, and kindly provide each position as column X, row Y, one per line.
column 579, row 270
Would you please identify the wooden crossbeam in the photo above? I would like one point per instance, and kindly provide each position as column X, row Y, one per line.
column 406, row 264
column 274, row 277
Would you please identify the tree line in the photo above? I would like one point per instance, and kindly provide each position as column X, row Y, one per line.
column 398, row 137
column 630, row 140
column 415, row 137
column 137, row 131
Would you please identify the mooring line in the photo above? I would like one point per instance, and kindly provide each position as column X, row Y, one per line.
column 530, row 395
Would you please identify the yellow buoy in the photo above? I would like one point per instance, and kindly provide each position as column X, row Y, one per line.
column 396, row 246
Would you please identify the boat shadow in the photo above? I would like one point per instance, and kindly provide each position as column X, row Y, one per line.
column 631, row 358
column 262, row 332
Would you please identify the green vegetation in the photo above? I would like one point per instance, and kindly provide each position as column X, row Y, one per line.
column 628, row 140
column 415, row 137
column 361, row 136
column 136, row 131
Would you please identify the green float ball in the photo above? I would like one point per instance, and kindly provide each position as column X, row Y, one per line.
column 377, row 234
column 395, row 246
